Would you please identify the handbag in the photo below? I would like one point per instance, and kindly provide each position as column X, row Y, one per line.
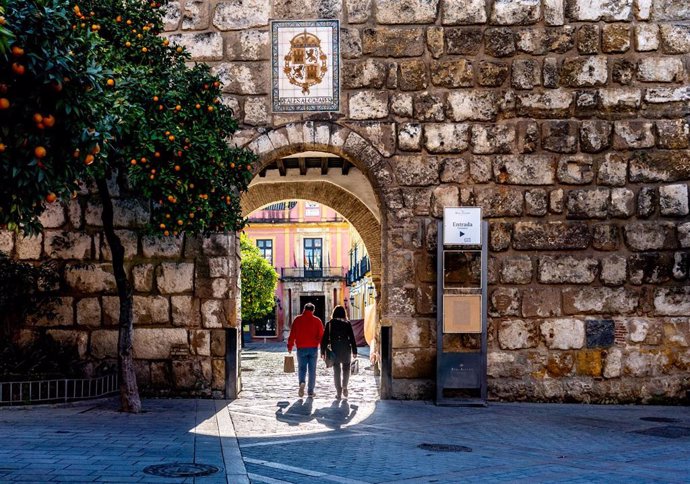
column 289, row 364
column 330, row 354
column 354, row 367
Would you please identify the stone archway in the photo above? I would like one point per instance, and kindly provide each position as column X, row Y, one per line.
column 333, row 196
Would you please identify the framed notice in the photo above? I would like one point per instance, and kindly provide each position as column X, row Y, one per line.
column 305, row 65
column 462, row 269
column 462, row 313
column 462, row 226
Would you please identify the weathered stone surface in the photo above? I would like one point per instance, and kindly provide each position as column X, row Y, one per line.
column 174, row 278
column 6, row 241
column 500, row 201
column 249, row 45
column 539, row 41
column 171, row 15
column 526, row 74
column 504, row 301
column 650, row 268
column 536, row 203
column 368, row 105
column 607, row 10
column 517, row 334
column 428, row 107
column 463, row 12
column 623, row 101
column 640, row 236
column 684, row 235
column 510, row 12
column 599, row 333
column 243, row 78
column 563, row 334
column 150, row 310
column 605, row 237
column 623, row 72
column 350, row 43
column 556, row 204
column 525, row 170
column 402, row 105
column 633, row 135
column 454, row 170
column 589, row 363
column 675, row 38
column 410, row 137
column 499, row 42
column 90, row 278
column 89, row 312
column 142, row 276
column 200, row 342
column 672, row 301
column 615, row 38
column 444, row 196
column 256, row 111
column 567, row 270
column 492, row 74
column 551, row 236
column 446, row 138
column 598, row 300
column 68, row 245
column 542, row 302
column 28, row 247
column 435, row 42
column 660, row 69
column 575, row 170
column 646, row 37
column 185, row 311
column 393, row 42
column 474, row 105
column 450, row 74
column 673, row 200
column 659, row 166
column 613, row 270
column 156, row 343
column 551, row 104
column 622, row 203
column 129, row 213
column 673, row 134
column 492, row 139
column 358, row 11
column 168, row 247
column 595, row 136
column 588, row 203
column 370, row 73
column 554, row 12
column 613, row 363
column 517, row 270
column 406, row 11
column 588, row 39
column 584, row 71
column 500, row 235
column 463, row 40
column 416, row 170
column 559, row 136
column 205, row 46
column 413, row 75
column 241, row 14
column 104, row 343
column 53, row 216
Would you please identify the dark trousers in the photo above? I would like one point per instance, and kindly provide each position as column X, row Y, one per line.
column 341, row 369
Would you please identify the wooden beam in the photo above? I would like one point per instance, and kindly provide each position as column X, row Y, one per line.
column 346, row 166
column 324, row 166
column 302, row 166
column 281, row 167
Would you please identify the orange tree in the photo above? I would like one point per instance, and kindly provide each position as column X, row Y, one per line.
column 162, row 124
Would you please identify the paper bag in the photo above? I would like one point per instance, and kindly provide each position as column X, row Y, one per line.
column 289, row 364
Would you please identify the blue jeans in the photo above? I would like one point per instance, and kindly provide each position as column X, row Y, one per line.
column 306, row 360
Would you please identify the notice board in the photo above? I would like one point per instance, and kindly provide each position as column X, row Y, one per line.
column 462, row 313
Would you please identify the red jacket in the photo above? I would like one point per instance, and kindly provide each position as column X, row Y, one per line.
column 306, row 331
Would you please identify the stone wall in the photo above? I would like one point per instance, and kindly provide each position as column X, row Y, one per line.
column 565, row 120
column 185, row 293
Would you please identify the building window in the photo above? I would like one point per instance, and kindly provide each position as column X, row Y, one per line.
column 266, row 248
column 312, row 254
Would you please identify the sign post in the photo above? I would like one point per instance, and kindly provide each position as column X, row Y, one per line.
column 461, row 296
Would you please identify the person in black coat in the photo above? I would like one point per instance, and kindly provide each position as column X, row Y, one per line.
column 338, row 335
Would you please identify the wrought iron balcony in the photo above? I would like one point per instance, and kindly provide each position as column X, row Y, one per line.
column 359, row 270
column 312, row 273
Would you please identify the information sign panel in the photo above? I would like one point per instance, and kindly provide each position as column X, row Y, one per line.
column 462, row 226
column 462, row 313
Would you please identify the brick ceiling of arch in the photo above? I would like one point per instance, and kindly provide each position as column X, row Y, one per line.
column 326, row 193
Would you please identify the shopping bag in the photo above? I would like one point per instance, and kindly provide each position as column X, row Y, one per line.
column 289, row 364
column 330, row 357
column 354, row 367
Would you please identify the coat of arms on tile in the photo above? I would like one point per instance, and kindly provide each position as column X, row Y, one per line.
column 305, row 65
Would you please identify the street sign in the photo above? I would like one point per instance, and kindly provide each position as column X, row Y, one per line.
column 462, row 226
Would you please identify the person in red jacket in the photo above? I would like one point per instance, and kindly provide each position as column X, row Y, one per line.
column 306, row 333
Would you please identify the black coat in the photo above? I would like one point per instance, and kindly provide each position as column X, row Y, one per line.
column 338, row 333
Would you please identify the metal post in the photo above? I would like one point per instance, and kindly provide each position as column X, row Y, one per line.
column 386, row 363
column 231, row 364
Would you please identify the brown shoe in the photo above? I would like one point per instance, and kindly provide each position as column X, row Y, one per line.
column 300, row 392
column 345, row 392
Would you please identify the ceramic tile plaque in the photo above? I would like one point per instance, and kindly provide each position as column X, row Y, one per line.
column 305, row 65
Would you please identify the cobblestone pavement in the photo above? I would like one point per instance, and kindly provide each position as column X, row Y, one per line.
column 270, row 435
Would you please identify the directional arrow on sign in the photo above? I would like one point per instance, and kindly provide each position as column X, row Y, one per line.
column 461, row 233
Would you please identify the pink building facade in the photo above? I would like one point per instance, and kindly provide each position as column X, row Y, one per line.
column 309, row 246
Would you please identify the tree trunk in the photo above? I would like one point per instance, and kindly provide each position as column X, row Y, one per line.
column 129, row 392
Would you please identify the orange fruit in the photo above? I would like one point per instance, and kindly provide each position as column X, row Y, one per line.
column 2, row 20
column 178, row 108
column 210, row 109
column 166, row 233
column 17, row 51
column 167, row 133
column 232, row 165
column 2, row 147
column 157, row 154
column 18, row 69
column 40, row 126
column 171, row 199
column 96, row 149
column 51, row 197
column 37, row 118
column 128, row 44
column 118, row 19
column 191, row 214
column 144, row 50
column 49, row 121
column 4, row 103
column 129, row 22
column 153, row 171
column 88, row 159
column 167, row 215
column 40, row 152
column 177, row 168
column 143, row 159
column 155, row 99
column 179, row 50
column 166, row 43
column 216, row 84
column 132, row 162
column 162, row 226
column 171, row 137
column 152, row 177
column 180, row 222
column 75, row 153
column 110, row 82
column 198, row 106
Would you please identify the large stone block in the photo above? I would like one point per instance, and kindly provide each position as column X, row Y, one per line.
column 660, row 69
column 143, row 277
column 584, row 71
column 156, row 343
column 673, row 200
column 28, row 247
column 500, row 201
column 241, row 14
column 413, row 75
column 641, row 236
column 393, row 42
column 495, row 139
column 77, row 341
column 406, row 11
column 672, row 301
column 463, row 40
column 89, row 312
column 472, row 105
column 516, row 334
column 622, row 203
column 492, row 74
column 243, row 78
column 525, row 169
column 68, row 245
column 414, row 333
column 358, row 11
column 6, row 241
column 541, row 302
column 575, row 170
column 567, row 270
column 559, row 136
column 370, row 73
column 368, row 105
column 563, row 334
column 615, row 38
column 205, row 46
column 293, row 9
column 53, row 216
column 446, row 138
column 505, row 301
column 129, row 240
column 151, row 310
column 646, row 37
column 90, row 278
column 463, row 12
column 675, row 38
column 129, row 213
column 416, row 170
column 588, row 203
column 613, row 270
column 551, row 236
column 599, row 300
column 61, row 314
column 657, row 166
column 444, row 196
column 613, row 170
column 104, row 343
column 168, row 247
column 517, row 270
column 451, row 74
column 650, row 267
column 607, row 10
column 550, row 104
column 174, row 278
